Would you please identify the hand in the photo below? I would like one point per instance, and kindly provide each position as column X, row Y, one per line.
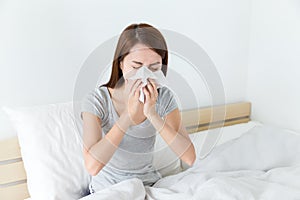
column 134, row 106
column 151, row 94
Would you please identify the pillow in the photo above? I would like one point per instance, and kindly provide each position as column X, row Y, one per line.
column 228, row 133
column 51, row 150
column 261, row 148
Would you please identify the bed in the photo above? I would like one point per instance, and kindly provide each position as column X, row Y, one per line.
column 13, row 178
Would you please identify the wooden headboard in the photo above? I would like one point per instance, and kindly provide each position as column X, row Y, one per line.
column 13, row 176
column 196, row 120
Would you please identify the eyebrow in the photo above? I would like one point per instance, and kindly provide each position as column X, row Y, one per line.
column 142, row 63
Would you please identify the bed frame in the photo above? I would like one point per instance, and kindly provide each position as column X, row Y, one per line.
column 13, row 176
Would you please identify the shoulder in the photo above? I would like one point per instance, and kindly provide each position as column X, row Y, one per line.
column 98, row 93
column 96, row 97
column 166, row 101
column 96, row 102
column 165, row 93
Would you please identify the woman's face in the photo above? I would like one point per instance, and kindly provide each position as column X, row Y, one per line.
column 141, row 55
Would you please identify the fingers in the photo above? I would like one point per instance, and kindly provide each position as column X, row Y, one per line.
column 147, row 94
column 135, row 87
column 137, row 91
column 152, row 89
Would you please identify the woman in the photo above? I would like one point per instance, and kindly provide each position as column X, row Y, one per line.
column 125, row 148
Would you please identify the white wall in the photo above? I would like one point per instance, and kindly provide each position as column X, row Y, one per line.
column 274, row 62
column 44, row 43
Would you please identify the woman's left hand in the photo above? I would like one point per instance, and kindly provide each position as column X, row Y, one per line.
column 151, row 94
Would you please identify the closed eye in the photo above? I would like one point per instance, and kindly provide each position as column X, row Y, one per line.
column 154, row 69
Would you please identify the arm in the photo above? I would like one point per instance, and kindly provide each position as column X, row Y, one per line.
column 174, row 133
column 171, row 129
column 97, row 151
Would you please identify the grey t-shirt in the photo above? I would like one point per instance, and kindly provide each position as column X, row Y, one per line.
column 134, row 156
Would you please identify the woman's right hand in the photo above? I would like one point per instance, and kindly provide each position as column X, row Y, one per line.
column 133, row 107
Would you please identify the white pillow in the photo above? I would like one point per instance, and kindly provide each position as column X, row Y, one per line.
column 261, row 148
column 228, row 133
column 51, row 150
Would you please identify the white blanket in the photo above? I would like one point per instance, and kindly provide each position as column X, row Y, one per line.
column 132, row 189
column 262, row 164
column 279, row 183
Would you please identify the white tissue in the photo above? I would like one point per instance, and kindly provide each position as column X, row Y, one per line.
column 144, row 73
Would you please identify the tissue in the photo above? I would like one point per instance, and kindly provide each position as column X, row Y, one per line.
column 144, row 73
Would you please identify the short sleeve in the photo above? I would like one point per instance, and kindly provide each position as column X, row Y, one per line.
column 94, row 103
column 167, row 101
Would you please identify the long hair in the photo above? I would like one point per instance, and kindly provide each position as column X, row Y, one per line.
column 137, row 34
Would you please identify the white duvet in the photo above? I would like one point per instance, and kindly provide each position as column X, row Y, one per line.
column 262, row 164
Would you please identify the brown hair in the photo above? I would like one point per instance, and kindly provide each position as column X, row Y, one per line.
column 133, row 34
